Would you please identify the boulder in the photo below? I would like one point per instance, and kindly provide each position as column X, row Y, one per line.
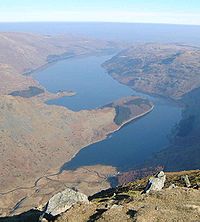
column 62, row 201
column 156, row 183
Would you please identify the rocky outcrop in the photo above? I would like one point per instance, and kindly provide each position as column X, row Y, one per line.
column 186, row 180
column 127, row 203
column 64, row 200
column 156, row 183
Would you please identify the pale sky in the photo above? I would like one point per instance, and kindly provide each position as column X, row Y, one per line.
column 136, row 11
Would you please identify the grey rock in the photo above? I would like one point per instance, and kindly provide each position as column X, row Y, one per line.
column 64, row 200
column 156, row 183
column 186, row 180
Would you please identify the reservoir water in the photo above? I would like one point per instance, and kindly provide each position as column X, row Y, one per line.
column 132, row 144
column 93, row 86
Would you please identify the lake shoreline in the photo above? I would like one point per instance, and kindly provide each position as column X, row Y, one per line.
column 49, row 64
column 118, row 127
column 110, row 133
column 132, row 119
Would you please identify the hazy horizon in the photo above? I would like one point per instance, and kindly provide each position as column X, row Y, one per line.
column 157, row 12
column 100, row 22
column 132, row 32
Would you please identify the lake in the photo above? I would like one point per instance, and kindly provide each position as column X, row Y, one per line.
column 93, row 86
column 132, row 144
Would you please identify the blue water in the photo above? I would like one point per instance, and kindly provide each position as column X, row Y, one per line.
column 129, row 146
column 133, row 144
column 136, row 141
column 93, row 86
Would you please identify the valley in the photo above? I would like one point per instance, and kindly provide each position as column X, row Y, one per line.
column 36, row 138
column 99, row 111
column 22, row 53
column 48, row 117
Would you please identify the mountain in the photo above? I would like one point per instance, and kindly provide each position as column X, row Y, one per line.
column 22, row 53
column 169, row 70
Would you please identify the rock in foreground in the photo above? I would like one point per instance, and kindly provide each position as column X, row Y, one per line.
column 62, row 201
column 175, row 202
column 156, row 183
column 128, row 203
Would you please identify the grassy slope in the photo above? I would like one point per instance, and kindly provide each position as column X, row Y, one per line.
column 126, row 203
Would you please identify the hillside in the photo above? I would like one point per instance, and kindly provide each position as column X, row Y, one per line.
column 37, row 139
column 169, row 70
column 126, row 203
column 23, row 52
column 184, row 139
column 175, row 202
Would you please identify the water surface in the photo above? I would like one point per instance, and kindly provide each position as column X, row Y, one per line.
column 131, row 145
column 93, row 86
